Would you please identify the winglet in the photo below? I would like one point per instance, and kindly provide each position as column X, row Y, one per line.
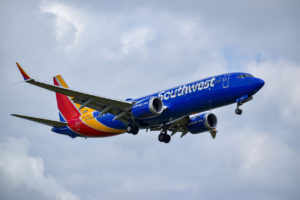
column 58, row 80
column 24, row 74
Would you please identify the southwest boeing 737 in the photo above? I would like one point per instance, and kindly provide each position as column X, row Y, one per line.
column 182, row 109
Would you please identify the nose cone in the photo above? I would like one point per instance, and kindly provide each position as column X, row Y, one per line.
column 259, row 83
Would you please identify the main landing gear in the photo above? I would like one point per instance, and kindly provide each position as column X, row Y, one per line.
column 133, row 129
column 164, row 137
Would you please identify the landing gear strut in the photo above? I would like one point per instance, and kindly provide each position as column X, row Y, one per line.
column 238, row 111
column 133, row 129
column 164, row 137
column 240, row 102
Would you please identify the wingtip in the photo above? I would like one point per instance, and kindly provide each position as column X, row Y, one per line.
column 14, row 115
column 24, row 74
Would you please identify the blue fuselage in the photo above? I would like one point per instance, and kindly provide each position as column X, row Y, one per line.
column 202, row 95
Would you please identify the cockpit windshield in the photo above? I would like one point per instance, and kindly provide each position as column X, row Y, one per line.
column 244, row 75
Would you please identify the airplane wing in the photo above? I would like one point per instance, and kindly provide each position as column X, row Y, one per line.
column 43, row 121
column 179, row 125
column 118, row 108
column 175, row 126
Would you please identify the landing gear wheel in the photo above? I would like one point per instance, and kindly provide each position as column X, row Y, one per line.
column 135, row 130
column 129, row 128
column 132, row 129
column 163, row 137
column 167, row 139
column 238, row 111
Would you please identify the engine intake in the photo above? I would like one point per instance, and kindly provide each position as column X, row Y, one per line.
column 147, row 108
column 201, row 123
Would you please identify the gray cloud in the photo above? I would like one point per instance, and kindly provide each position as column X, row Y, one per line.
column 18, row 168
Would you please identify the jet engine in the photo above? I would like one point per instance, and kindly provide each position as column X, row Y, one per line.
column 201, row 123
column 147, row 108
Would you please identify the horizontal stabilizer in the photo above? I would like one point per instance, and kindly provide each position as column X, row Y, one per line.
column 43, row 121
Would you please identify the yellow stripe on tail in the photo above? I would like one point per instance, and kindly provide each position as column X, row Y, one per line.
column 63, row 83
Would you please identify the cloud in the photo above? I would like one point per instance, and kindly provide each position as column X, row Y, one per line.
column 281, row 88
column 69, row 22
column 20, row 169
column 266, row 160
column 134, row 40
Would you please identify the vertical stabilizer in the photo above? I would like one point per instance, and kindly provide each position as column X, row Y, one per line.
column 67, row 109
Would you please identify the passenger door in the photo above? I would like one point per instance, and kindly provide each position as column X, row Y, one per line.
column 226, row 80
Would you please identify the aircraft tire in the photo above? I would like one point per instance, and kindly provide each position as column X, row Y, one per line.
column 238, row 111
column 129, row 128
column 167, row 139
column 135, row 130
column 161, row 137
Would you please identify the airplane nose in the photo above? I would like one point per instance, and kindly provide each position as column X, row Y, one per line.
column 259, row 83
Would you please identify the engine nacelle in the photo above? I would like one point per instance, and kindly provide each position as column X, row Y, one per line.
column 147, row 108
column 203, row 122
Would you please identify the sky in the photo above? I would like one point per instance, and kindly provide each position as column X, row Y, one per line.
column 122, row 50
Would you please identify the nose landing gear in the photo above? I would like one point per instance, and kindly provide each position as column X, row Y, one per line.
column 238, row 111
column 240, row 102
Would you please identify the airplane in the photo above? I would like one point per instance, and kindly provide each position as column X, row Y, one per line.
column 182, row 109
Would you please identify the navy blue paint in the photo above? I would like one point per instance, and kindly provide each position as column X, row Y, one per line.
column 196, row 125
column 226, row 90
column 65, row 131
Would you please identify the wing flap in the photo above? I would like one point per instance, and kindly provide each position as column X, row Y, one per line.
column 177, row 125
column 42, row 121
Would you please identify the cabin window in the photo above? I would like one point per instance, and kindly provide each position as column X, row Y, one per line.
column 244, row 75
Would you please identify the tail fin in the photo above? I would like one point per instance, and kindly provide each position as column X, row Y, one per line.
column 67, row 109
